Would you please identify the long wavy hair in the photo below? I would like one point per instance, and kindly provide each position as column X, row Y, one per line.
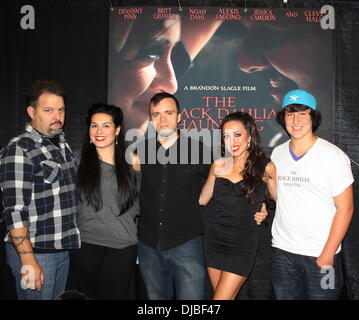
column 89, row 173
column 254, row 168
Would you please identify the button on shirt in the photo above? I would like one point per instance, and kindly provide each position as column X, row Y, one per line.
column 170, row 212
column 37, row 180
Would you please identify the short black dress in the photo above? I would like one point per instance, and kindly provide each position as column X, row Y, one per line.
column 232, row 240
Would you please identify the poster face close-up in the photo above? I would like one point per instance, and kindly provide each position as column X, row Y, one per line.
column 217, row 61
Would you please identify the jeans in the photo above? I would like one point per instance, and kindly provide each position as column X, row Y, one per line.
column 55, row 267
column 258, row 285
column 298, row 277
column 182, row 265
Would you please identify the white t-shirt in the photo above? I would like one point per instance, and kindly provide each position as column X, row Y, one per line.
column 305, row 191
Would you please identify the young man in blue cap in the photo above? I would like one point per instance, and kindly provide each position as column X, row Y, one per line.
column 314, row 205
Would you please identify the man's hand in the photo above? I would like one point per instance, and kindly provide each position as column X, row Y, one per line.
column 32, row 276
column 259, row 217
column 325, row 261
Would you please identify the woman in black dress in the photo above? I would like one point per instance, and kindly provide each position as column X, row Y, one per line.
column 239, row 184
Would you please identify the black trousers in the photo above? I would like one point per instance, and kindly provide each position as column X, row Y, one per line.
column 103, row 273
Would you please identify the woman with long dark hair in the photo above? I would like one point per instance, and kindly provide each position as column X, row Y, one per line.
column 239, row 183
column 108, row 206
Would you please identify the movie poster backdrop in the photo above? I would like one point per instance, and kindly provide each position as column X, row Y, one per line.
column 217, row 61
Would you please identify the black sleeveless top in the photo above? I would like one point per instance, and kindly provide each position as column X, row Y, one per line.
column 234, row 240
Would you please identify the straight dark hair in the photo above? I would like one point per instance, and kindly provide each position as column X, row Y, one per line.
column 315, row 115
column 254, row 168
column 89, row 173
column 158, row 97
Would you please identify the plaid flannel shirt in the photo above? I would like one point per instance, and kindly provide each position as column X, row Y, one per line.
column 38, row 190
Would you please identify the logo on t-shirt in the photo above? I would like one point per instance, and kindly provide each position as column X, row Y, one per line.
column 293, row 180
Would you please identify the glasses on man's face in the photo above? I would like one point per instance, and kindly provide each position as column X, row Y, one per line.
column 180, row 59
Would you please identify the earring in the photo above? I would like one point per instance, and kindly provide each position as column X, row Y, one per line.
column 90, row 141
column 249, row 144
column 116, row 139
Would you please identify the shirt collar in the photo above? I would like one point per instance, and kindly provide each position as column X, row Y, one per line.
column 173, row 145
column 38, row 137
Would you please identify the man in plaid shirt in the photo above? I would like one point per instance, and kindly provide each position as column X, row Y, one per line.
column 37, row 178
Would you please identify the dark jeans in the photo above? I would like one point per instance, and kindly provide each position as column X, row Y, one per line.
column 103, row 273
column 183, row 265
column 298, row 277
column 55, row 267
column 258, row 285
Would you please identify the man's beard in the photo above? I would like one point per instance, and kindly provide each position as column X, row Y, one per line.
column 165, row 133
column 54, row 132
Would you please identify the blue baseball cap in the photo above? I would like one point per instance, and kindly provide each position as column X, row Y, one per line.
column 299, row 96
